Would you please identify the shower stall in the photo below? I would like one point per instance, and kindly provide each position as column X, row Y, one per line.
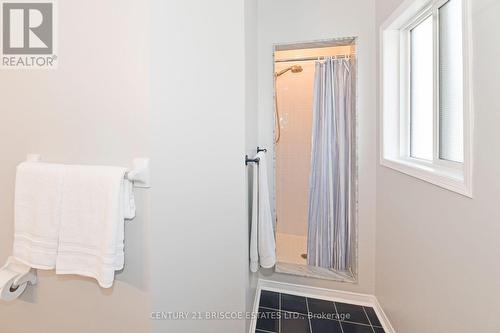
column 315, row 197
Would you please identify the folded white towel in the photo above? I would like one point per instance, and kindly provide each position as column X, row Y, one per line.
column 262, row 241
column 92, row 222
column 37, row 213
column 71, row 218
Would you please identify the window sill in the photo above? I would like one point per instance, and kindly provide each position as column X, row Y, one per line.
column 449, row 179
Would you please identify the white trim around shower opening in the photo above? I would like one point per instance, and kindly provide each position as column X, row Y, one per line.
column 304, row 270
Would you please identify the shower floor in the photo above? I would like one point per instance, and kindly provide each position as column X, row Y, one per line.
column 284, row 313
column 290, row 248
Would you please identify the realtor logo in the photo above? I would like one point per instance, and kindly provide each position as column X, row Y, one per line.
column 28, row 34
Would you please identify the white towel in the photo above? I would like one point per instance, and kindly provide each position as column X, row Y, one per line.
column 71, row 218
column 262, row 242
column 37, row 213
column 91, row 236
column 128, row 200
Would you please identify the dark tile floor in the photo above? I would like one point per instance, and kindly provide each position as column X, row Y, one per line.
column 284, row 313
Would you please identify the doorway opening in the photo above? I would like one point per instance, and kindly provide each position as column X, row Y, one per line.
column 315, row 159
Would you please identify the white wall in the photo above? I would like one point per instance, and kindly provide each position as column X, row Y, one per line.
column 92, row 109
column 159, row 79
column 199, row 214
column 283, row 21
column 437, row 252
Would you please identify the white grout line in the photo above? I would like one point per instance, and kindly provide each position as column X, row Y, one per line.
column 338, row 316
column 377, row 326
column 366, row 314
column 355, row 323
column 308, row 316
column 268, row 308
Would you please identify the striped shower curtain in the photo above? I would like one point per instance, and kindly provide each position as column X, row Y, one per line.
column 331, row 188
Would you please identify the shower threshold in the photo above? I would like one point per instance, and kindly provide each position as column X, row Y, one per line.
column 315, row 272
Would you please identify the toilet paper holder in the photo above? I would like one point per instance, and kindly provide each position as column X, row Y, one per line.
column 14, row 278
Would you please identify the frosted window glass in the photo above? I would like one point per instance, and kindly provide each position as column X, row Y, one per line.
column 451, row 82
column 421, row 91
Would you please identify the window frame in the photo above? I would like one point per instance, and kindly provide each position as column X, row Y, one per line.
column 395, row 150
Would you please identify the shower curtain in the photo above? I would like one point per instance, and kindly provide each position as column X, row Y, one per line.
column 331, row 185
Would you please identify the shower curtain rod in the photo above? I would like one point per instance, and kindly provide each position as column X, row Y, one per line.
column 314, row 58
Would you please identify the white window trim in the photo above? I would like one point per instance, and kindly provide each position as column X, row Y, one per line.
column 394, row 139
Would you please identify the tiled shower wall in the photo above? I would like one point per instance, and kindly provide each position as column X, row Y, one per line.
column 293, row 152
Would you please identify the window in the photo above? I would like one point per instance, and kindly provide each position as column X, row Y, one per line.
column 426, row 124
column 450, row 83
column 421, row 90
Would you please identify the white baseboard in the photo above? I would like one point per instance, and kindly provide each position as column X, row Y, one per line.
column 384, row 320
column 321, row 293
